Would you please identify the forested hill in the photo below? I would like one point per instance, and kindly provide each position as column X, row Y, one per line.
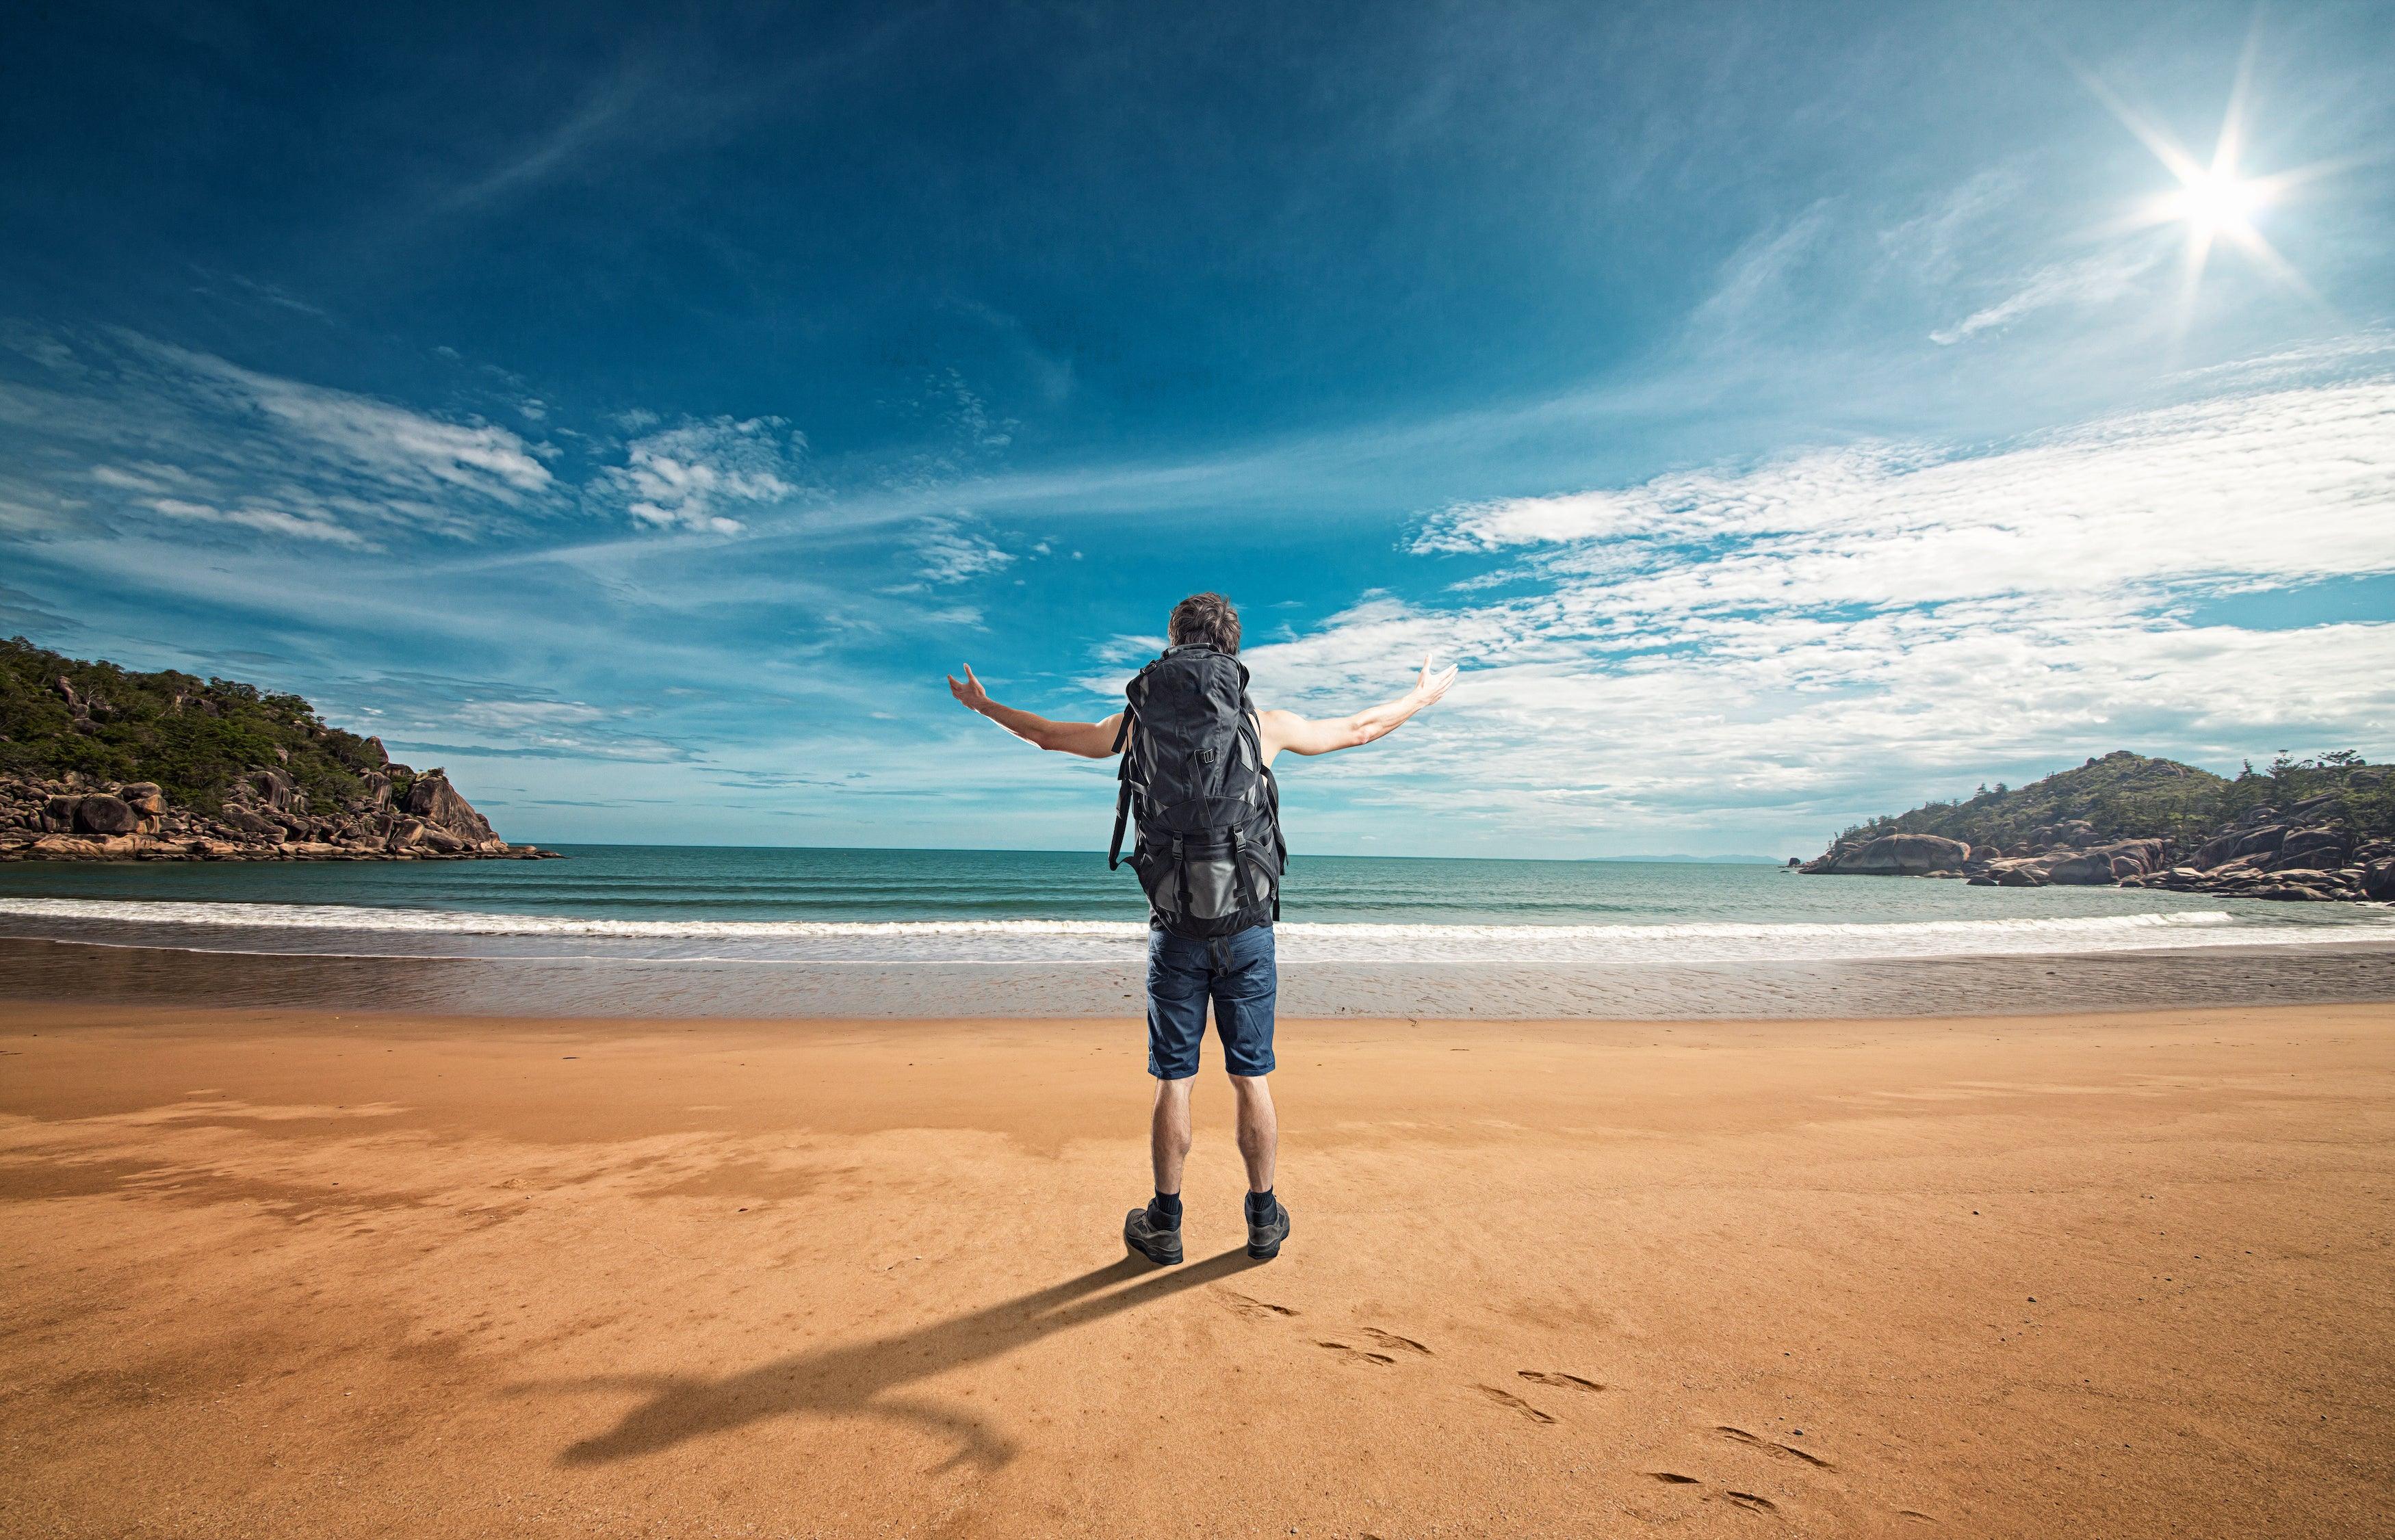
column 193, row 737
column 100, row 763
column 2125, row 796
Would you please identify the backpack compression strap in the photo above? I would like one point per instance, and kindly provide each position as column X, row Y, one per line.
column 1122, row 797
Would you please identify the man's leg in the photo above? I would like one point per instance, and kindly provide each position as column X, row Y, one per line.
column 1245, row 994
column 1169, row 1133
column 1259, row 1129
column 1176, row 1020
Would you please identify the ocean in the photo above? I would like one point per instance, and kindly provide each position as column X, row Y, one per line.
column 870, row 931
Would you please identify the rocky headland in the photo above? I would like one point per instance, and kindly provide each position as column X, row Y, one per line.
column 99, row 763
column 2310, row 830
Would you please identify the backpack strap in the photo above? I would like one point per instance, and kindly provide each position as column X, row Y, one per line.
column 1181, row 871
column 1122, row 797
column 1239, row 869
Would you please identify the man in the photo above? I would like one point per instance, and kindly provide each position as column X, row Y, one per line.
column 1200, row 947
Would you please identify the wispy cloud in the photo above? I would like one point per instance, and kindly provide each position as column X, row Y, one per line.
column 2098, row 278
column 118, row 427
column 691, row 476
column 949, row 550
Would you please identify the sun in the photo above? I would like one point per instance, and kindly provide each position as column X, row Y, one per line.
column 2217, row 203
column 2214, row 204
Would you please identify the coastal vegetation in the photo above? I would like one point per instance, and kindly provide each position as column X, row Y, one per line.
column 195, row 738
column 2125, row 796
column 102, row 763
column 2321, row 827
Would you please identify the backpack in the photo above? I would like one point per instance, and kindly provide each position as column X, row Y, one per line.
column 1209, row 852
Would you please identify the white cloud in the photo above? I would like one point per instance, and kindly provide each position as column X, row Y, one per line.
column 268, row 520
column 1844, row 631
column 947, row 551
column 690, row 476
column 391, row 443
column 2095, row 280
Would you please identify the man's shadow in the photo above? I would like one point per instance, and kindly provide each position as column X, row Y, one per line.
column 857, row 1380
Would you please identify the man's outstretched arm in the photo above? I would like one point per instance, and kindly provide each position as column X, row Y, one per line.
column 1286, row 729
column 1089, row 740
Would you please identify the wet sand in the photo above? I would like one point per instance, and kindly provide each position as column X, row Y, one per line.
column 297, row 1273
column 2361, row 968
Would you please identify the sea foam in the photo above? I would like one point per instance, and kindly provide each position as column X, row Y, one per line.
column 360, row 929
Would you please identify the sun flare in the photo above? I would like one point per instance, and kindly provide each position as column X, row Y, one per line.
column 2214, row 202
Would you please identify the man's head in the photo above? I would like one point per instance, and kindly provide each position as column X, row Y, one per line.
column 1207, row 619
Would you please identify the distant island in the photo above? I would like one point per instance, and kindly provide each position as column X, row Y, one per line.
column 2321, row 828
column 100, row 763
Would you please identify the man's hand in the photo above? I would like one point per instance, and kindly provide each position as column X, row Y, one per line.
column 1089, row 740
column 1426, row 689
column 971, row 693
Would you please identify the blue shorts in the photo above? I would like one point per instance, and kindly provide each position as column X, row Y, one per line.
column 1182, row 974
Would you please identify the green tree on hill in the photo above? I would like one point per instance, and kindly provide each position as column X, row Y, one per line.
column 193, row 737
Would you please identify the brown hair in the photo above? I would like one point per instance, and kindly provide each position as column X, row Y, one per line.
column 1207, row 618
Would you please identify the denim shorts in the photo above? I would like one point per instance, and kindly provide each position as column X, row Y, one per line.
column 1236, row 972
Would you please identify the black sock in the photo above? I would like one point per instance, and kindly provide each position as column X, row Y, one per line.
column 1260, row 1206
column 1164, row 1211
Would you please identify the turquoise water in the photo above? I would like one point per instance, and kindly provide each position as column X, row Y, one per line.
column 697, row 903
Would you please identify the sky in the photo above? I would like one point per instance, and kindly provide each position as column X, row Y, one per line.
column 1783, row 414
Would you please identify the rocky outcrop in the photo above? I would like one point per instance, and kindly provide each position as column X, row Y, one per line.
column 435, row 801
column 2264, row 855
column 266, row 816
column 1894, row 856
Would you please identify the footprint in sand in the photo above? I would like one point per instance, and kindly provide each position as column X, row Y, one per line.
column 1356, row 1354
column 1513, row 1403
column 1260, row 1309
column 1394, row 1343
column 1749, row 1501
column 1742, row 1436
column 1560, row 1381
column 1673, row 1478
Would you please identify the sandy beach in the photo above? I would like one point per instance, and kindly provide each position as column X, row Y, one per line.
column 299, row 1274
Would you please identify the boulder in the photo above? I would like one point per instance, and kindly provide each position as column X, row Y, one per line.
column 69, row 847
column 2378, row 880
column 2262, row 841
column 275, row 789
column 58, row 814
column 2082, row 871
column 433, row 799
column 250, row 824
column 2322, row 848
column 103, row 814
column 146, row 798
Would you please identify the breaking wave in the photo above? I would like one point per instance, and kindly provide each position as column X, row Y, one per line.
column 348, row 929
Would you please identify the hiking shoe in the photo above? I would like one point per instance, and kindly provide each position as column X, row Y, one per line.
column 1160, row 1245
column 1264, row 1240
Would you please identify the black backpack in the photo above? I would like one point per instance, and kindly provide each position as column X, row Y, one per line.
column 1209, row 851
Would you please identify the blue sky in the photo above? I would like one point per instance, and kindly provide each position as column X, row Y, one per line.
column 1785, row 414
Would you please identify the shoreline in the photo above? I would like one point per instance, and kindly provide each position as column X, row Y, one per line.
column 314, row 1271
column 2024, row 984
